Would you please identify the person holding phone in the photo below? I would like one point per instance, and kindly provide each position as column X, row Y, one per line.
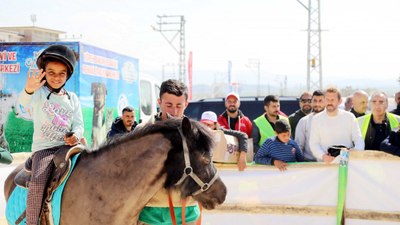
column 57, row 119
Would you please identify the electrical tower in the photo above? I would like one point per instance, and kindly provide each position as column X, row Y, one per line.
column 175, row 24
column 314, row 57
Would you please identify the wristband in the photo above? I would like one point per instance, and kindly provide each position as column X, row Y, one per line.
column 29, row 93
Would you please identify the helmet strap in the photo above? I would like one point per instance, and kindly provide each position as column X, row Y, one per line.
column 53, row 90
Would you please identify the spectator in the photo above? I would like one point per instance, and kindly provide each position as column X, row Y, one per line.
column 232, row 118
column 392, row 143
column 305, row 109
column 348, row 104
column 304, row 126
column 173, row 100
column 264, row 125
column 397, row 100
column 376, row 126
column 124, row 124
column 360, row 103
column 209, row 118
column 280, row 149
column 333, row 126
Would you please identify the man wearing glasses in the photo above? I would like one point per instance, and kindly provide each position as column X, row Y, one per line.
column 305, row 109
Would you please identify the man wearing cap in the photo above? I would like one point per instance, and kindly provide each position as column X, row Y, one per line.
column 232, row 118
column 209, row 118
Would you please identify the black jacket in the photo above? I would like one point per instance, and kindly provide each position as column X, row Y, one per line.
column 396, row 110
column 118, row 128
column 392, row 143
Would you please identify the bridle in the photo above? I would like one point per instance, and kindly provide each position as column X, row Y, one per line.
column 188, row 170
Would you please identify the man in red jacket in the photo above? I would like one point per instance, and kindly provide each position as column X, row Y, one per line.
column 232, row 118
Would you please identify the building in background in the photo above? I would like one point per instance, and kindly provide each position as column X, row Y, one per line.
column 29, row 34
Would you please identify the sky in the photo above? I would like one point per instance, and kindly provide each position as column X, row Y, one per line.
column 360, row 38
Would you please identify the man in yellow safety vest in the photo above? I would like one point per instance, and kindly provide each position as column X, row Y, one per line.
column 376, row 126
column 264, row 125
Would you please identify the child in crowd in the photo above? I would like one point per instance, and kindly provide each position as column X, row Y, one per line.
column 280, row 149
column 209, row 118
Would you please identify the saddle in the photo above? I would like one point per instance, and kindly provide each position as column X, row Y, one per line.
column 62, row 165
column 62, row 162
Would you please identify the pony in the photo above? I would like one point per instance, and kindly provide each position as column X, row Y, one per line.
column 112, row 184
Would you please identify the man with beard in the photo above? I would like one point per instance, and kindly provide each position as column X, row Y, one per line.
column 360, row 103
column 232, row 118
column 397, row 100
column 378, row 124
column 173, row 100
column 124, row 124
column 304, row 126
column 305, row 109
column 333, row 126
column 264, row 125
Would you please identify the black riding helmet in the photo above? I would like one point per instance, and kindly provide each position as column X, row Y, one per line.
column 59, row 53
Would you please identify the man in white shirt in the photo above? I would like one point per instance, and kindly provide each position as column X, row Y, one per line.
column 334, row 126
column 303, row 128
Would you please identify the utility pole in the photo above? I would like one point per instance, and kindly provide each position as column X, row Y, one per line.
column 255, row 63
column 175, row 24
column 314, row 56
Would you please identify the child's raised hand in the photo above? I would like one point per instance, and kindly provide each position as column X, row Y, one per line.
column 34, row 80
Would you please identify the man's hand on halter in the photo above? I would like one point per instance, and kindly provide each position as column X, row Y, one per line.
column 34, row 80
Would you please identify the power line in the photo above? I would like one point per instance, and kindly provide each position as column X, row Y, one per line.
column 314, row 56
column 175, row 24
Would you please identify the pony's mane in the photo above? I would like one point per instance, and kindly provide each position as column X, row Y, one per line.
column 168, row 128
column 199, row 140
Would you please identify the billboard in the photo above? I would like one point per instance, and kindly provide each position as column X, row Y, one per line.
column 104, row 81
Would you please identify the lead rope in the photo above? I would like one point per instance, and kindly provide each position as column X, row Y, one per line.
column 171, row 209
column 201, row 213
column 184, row 211
column 172, row 212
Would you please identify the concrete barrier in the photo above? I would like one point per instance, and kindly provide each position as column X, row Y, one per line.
column 310, row 193
column 373, row 189
column 306, row 193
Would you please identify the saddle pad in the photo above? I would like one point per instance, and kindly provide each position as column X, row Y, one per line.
column 17, row 202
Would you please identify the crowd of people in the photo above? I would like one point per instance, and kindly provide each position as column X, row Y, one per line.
column 318, row 124
column 305, row 135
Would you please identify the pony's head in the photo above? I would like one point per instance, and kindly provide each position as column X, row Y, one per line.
column 193, row 172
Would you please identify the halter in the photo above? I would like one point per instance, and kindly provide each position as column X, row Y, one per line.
column 188, row 171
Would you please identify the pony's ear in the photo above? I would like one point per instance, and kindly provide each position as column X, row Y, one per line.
column 186, row 126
